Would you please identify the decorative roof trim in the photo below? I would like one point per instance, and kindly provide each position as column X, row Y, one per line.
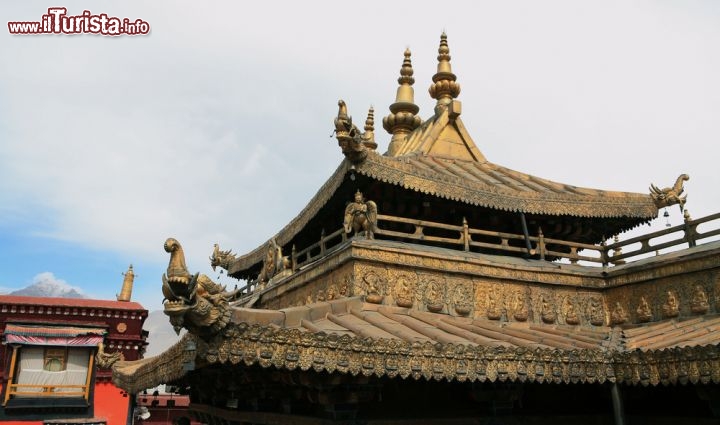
column 138, row 375
column 292, row 349
column 582, row 203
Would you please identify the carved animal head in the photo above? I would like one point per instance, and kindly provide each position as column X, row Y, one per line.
column 194, row 301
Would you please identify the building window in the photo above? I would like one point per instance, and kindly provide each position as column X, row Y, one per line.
column 52, row 371
column 55, row 359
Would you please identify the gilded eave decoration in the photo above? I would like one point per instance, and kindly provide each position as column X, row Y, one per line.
column 293, row 349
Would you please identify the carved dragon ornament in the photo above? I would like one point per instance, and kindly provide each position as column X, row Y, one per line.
column 668, row 196
column 193, row 302
column 349, row 137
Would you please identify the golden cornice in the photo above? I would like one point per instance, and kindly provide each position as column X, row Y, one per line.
column 291, row 349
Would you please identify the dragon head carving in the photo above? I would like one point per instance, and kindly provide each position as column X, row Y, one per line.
column 670, row 195
column 349, row 137
column 193, row 302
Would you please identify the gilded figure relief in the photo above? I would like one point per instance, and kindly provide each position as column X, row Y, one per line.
column 596, row 312
column 547, row 309
column 571, row 316
column 434, row 295
column 699, row 301
column 519, row 305
column 671, row 307
column 644, row 312
column 494, row 312
column 404, row 290
column 618, row 315
column 462, row 299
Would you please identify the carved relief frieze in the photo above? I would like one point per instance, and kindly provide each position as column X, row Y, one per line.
column 699, row 301
column 520, row 305
column 595, row 311
column 618, row 315
column 671, row 307
column 569, row 309
column 643, row 311
column 462, row 298
column 403, row 284
column 494, row 309
column 547, row 308
column 433, row 288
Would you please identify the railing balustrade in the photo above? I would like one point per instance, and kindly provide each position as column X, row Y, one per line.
column 497, row 242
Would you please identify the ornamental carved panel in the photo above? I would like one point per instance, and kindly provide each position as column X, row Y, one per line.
column 433, row 290
column 403, row 284
column 462, row 296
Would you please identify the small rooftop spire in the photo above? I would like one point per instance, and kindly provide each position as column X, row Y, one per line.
column 369, row 135
column 402, row 119
column 444, row 87
column 126, row 291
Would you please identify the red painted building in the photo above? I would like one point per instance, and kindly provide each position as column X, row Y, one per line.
column 56, row 354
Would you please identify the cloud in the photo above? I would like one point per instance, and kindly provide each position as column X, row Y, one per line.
column 47, row 285
column 209, row 131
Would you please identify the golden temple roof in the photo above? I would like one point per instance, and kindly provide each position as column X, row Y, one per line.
column 353, row 336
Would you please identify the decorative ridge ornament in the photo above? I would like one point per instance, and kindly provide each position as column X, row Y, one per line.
column 403, row 117
column 127, row 286
column 348, row 136
column 668, row 196
column 221, row 258
column 369, row 134
column 193, row 302
column 444, row 87
column 105, row 360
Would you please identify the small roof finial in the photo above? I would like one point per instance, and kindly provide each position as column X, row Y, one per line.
column 369, row 135
column 127, row 287
column 444, row 87
column 403, row 113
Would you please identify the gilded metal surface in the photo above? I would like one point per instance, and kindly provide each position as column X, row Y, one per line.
column 403, row 117
column 193, row 302
column 273, row 264
column 127, row 286
column 222, row 259
column 349, row 137
column 361, row 215
column 368, row 136
column 444, row 87
column 293, row 349
column 670, row 195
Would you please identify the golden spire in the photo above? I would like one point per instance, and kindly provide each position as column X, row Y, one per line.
column 369, row 135
column 126, row 292
column 444, row 87
column 402, row 119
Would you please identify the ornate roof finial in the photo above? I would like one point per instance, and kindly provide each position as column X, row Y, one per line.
column 369, row 135
column 402, row 119
column 348, row 136
column 126, row 291
column 444, row 87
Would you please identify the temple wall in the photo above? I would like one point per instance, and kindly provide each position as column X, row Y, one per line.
column 507, row 289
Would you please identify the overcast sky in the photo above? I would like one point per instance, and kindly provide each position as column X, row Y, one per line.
column 215, row 126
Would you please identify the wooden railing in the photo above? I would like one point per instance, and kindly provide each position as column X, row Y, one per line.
column 54, row 390
column 686, row 233
column 537, row 246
